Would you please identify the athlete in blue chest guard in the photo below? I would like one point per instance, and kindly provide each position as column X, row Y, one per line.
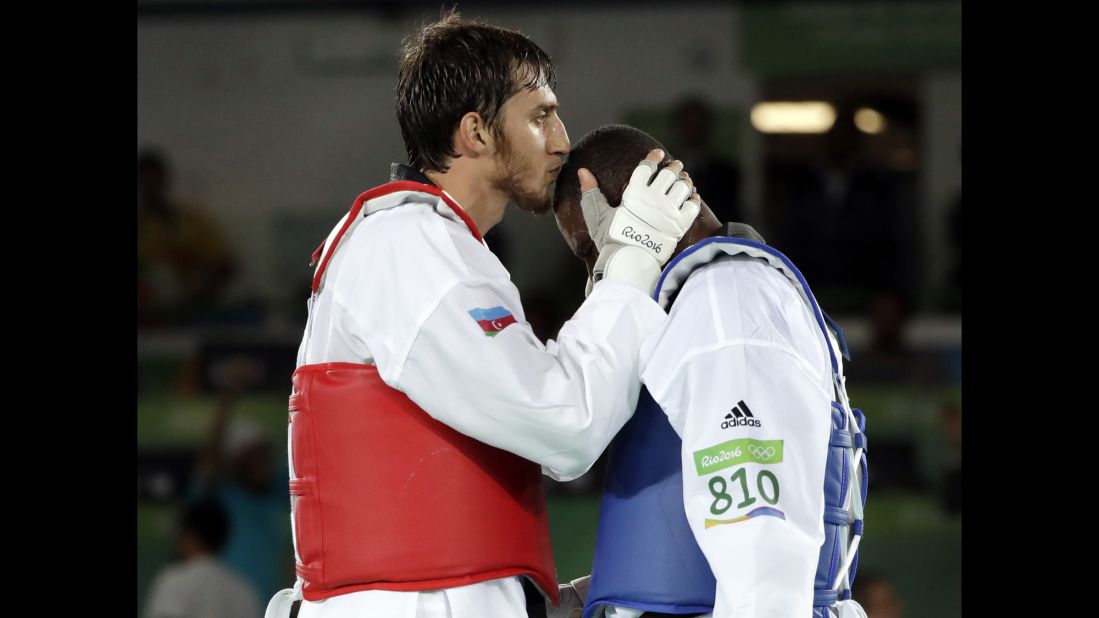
column 738, row 486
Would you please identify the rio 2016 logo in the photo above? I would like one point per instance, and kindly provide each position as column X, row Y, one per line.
column 720, row 456
column 642, row 239
column 735, row 452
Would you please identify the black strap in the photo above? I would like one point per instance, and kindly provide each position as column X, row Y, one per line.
column 536, row 603
column 400, row 171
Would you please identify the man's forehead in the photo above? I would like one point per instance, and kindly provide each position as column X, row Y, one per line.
column 542, row 96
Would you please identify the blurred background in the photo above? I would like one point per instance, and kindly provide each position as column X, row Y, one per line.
column 834, row 128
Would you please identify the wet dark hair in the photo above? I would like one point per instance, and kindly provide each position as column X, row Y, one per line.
column 207, row 519
column 610, row 153
column 455, row 66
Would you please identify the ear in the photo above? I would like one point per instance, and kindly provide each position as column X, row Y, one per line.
column 473, row 137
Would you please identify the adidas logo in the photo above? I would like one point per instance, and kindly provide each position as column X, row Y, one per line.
column 740, row 416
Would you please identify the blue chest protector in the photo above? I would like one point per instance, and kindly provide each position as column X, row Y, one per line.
column 645, row 554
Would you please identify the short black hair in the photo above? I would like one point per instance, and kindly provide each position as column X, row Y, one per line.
column 206, row 518
column 455, row 66
column 611, row 153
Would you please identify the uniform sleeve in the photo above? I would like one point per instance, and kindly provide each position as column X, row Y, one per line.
column 478, row 369
column 754, row 420
column 444, row 324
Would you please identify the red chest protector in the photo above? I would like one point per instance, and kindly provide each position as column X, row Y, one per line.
column 387, row 498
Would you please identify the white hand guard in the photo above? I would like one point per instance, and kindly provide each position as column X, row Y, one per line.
column 572, row 596
column 637, row 238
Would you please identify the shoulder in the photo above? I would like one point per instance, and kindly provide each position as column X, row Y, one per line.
column 743, row 284
column 746, row 300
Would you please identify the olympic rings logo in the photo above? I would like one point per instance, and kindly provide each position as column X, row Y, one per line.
column 761, row 453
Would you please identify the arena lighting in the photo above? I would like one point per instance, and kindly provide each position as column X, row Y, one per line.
column 793, row 116
column 869, row 120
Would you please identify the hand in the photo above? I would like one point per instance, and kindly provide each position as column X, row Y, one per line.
column 573, row 595
column 637, row 238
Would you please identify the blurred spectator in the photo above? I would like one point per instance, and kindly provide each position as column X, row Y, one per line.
column 954, row 241
column 877, row 596
column 183, row 263
column 950, row 419
column 849, row 221
column 237, row 468
column 200, row 585
column 717, row 180
column 889, row 358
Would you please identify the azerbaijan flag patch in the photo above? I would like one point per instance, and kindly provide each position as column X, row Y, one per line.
column 492, row 320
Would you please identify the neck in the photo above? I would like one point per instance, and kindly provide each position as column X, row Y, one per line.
column 483, row 203
column 716, row 228
column 705, row 226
